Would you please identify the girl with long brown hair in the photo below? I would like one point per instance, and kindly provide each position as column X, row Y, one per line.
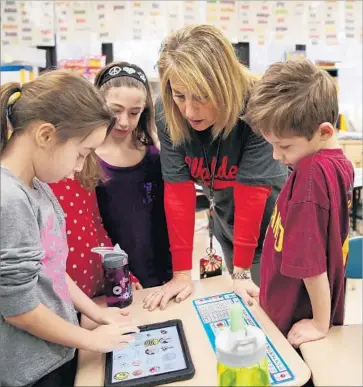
column 131, row 200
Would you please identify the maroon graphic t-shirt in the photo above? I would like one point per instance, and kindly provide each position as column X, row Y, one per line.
column 307, row 236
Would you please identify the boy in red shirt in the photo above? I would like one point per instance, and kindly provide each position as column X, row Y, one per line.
column 295, row 108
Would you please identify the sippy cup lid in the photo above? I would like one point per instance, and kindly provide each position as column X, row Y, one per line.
column 115, row 258
column 240, row 345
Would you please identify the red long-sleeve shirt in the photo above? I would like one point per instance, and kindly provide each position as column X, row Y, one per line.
column 180, row 211
column 247, row 182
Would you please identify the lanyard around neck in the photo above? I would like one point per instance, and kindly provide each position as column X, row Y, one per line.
column 212, row 174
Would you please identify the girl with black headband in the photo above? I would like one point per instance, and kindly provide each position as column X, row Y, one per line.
column 131, row 200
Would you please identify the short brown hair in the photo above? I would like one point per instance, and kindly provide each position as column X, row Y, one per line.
column 66, row 100
column 203, row 59
column 292, row 99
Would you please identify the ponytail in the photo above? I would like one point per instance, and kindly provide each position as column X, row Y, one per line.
column 7, row 90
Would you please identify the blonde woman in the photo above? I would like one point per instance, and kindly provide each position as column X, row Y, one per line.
column 204, row 92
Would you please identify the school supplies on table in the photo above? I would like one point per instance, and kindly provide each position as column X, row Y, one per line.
column 213, row 314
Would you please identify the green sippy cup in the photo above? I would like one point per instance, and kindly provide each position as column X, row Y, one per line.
column 241, row 353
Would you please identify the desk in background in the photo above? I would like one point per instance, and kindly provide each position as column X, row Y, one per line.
column 337, row 359
column 353, row 150
column 91, row 365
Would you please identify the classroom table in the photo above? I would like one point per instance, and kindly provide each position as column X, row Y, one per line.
column 337, row 359
column 91, row 365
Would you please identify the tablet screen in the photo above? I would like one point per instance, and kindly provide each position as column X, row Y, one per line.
column 154, row 352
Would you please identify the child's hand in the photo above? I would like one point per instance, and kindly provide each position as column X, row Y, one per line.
column 112, row 315
column 246, row 289
column 304, row 331
column 106, row 338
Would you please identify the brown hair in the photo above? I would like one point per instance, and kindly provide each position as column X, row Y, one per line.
column 145, row 128
column 292, row 99
column 204, row 61
column 91, row 174
column 64, row 99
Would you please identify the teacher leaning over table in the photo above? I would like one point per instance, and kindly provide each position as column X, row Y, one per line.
column 204, row 91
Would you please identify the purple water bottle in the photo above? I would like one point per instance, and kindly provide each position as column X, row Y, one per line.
column 118, row 288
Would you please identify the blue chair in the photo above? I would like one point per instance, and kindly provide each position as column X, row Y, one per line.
column 354, row 264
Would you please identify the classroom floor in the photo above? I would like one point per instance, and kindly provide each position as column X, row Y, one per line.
column 353, row 300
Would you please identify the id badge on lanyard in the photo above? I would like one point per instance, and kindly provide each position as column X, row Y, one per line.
column 211, row 264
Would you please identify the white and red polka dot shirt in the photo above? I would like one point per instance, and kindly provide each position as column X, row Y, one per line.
column 84, row 231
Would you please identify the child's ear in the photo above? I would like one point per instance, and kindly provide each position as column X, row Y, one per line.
column 326, row 131
column 45, row 135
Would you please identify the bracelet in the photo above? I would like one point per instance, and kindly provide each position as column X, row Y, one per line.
column 245, row 274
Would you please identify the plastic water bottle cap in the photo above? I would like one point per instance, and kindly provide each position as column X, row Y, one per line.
column 240, row 345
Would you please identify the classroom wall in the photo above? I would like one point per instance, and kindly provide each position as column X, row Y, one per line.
column 331, row 30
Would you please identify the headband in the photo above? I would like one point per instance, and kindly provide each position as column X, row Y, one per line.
column 12, row 99
column 123, row 71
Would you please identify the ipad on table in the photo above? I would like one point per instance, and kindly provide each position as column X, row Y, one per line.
column 159, row 355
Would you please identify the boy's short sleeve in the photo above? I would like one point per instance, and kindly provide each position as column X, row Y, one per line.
column 20, row 252
column 173, row 165
column 306, row 225
column 257, row 166
column 305, row 236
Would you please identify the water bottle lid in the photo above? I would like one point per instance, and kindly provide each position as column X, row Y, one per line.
column 114, row 260
column 241, row 349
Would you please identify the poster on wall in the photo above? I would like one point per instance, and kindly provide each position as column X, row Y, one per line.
column 192, row 12
column 139, row 13
column 281, row 21
column 315, row 22
column 120, row 20
column 102, row 17
column 81, row 16
column 255, row 21
column 331, row 22
column 290, row 22
column 63, row 12
column 74, row 21
column 246, row 21
column 299, row 18
column 353, row 19
column 175, row 14
column 26, row 30
column 228, row 12
column 156, row 21
column 28, row 23
column 149, row 20
column 10, row 23
column 41, row 14
column 212, row 13
column 264, row 11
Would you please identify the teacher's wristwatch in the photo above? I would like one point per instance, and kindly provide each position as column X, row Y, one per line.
column 245, row 274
